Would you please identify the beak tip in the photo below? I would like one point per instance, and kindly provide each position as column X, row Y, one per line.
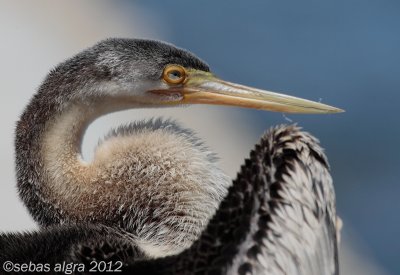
column 338, row 110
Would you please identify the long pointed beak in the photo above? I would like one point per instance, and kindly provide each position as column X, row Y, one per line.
column 204, row 88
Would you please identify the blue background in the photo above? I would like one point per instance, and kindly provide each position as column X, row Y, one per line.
column 344, row 53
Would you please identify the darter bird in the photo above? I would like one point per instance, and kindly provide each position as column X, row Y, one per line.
column 153, row 198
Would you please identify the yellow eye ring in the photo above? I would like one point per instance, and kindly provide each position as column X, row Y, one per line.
column 174, row 74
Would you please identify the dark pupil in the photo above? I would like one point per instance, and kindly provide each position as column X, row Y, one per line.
column 175, row 75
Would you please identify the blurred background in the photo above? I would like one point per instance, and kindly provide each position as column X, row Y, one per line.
column 343, row 53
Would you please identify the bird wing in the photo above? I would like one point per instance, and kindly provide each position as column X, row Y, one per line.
column 304, row 183
column 293, row 226
column 279, row 217
column 77, row 243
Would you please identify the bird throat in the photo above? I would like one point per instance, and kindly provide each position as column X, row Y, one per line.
column 155, row 184
column 61, row 152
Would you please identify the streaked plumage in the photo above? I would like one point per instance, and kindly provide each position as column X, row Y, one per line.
column 153, row 196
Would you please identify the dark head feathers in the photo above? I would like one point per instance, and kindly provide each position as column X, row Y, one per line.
column 117, row 57
column 163, row 53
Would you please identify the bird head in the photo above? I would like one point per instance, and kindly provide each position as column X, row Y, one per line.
column 156, row 73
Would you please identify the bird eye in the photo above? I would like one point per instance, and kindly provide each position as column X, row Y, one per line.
column 174, row 74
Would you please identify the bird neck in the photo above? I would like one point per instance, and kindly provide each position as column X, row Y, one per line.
column 61, row 148
column 49, row 164
column 160, row 184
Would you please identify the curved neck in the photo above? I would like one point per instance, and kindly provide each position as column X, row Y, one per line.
column 61, row 148
column 48, row 151
column 159, row 184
